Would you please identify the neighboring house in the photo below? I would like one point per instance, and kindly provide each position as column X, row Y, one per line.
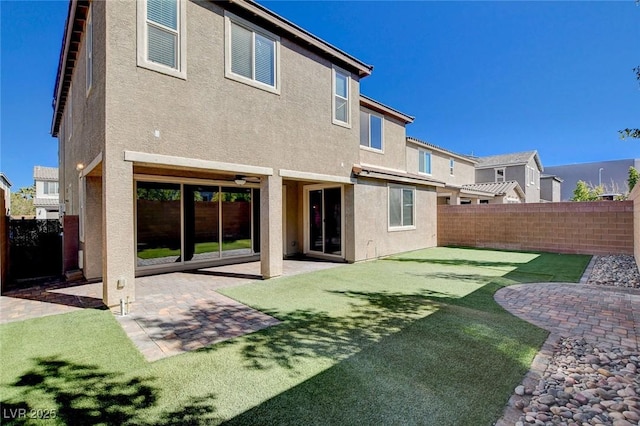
column 522, row 167
column 458, row 172
column 503, row 192
column 199, row 133
column 612, row 175
column 5, row 185
column 46, row 200
column 550, row 188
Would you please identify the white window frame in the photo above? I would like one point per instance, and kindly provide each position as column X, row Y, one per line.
column 452, row 164
column 381, row 117
column 504, row 174
column 421, row 153
column 533, row 176
column 337, row 70
column 142, row 42
column 69, row 112
column 89, row 50
column 527, row 173
column 230, row 18
column 401, row 227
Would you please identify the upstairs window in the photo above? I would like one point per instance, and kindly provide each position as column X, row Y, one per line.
column 251, row 54
column 161, row 36
column 51, row 188
column 89, row 49
column 424, row 162
column 371, row 130
column 452, row 164
column 341, row 113
column 401, row 207
column 500, row 175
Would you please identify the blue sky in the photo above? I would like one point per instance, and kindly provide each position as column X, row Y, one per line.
column 480, row 77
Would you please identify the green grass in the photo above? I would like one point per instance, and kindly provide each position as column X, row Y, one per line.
column 208, row 247
column 415, row 338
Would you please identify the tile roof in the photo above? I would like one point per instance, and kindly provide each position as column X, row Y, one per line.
column 46, row 202
column 439, row 148
column 45, row 173
column 514, row 158
column 497, row 188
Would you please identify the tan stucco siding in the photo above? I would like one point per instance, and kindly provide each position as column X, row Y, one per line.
column 208, row 116
column 372, row 235
column 393, row 146
column 88, row 137
column 463, row 171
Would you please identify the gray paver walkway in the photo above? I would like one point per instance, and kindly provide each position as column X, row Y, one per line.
column 173, row 313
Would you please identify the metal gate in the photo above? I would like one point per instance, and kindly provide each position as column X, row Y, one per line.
column 35, row 248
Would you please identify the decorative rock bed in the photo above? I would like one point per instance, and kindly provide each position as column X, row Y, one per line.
column 618, row 271
column 588, row 383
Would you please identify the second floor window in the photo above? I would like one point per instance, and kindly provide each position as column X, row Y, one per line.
column 452, row 164
column 341, row 112
column 252, row 54
column 500, row 175
column 51, row 188
column 371, row 130
column 424, row 162
column 162, row 32
column 161, row 41
column 89, row 49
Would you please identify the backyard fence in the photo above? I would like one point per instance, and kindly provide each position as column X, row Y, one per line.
column 35, row 248
column 601, row 227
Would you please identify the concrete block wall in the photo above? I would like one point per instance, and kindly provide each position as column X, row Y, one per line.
column 635, row 199
column 602, row 227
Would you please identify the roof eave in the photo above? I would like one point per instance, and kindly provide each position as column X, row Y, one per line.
column 262, row 12
column 440, row 149
column 384, row 109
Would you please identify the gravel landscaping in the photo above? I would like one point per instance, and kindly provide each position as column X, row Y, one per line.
column 619, row 271
column 588, row 383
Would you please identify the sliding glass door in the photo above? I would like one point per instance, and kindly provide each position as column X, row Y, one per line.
column 325, row 221
column 177, row 223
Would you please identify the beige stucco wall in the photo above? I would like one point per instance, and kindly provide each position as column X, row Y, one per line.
column 463, row 172
column 372, row 235
column 208, row 116
column 393, row 146
column 87, row 138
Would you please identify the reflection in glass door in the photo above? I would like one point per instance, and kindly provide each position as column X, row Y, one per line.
column 325, row 221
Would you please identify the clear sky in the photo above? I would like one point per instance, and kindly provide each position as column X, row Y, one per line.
column 480, row 77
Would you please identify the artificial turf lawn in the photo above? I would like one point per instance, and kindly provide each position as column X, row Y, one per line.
column 414, row 338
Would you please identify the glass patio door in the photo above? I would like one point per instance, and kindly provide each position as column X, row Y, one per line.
column 325, row 221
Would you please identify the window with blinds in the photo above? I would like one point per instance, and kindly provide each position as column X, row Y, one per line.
column 253, row 54
column 162, row 32
column 424, row 162
column 161, row 36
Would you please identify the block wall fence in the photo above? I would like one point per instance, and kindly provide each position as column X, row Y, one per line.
column 600, row 227
column 635, row 199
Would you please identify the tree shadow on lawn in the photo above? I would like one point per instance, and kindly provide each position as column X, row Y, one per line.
column 456, row 366
column 85, row 394
column 455, row 262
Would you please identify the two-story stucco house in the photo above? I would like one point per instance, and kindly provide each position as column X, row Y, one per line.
column 46, row 201
column 525, row 168
column 194, row 133
column 458, row 172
